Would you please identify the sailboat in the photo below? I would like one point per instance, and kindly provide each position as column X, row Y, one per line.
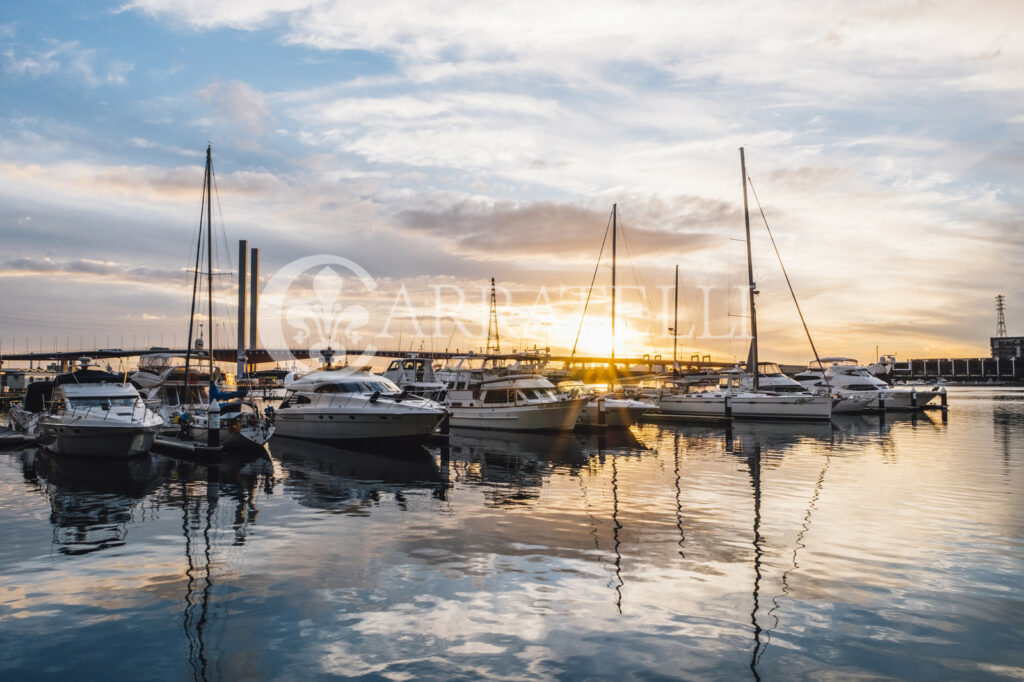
column 185, row 391
column 611, row 410
column 758, row 402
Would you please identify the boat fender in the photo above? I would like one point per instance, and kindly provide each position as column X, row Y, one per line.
column 236, row 426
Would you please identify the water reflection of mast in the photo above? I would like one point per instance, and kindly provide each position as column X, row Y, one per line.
column 798, row 545
column 196, row 598
column 679, row 503
column 616, row 527
column 754, row 464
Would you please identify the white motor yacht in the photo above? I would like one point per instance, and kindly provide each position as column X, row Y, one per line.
column 489, row 397
column 96, row 420
column 615, row 411
column 772, row 379
column 345, row 405
column 846, row 377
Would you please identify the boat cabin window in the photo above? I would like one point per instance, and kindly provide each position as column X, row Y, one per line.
column 395, row 364
column 499, row 395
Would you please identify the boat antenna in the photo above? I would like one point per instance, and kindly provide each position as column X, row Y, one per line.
column 752, row 362
column 788, row 283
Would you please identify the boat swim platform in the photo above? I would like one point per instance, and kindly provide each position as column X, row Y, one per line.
column 187, row 448
column 14, row 439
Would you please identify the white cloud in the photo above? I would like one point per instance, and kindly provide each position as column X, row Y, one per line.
column 68, row 57
column 239, row 107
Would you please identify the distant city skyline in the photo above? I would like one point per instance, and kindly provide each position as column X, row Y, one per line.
column 442, row 144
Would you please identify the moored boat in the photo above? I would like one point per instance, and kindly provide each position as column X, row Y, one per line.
column 354, row 406
column 92, row 414
column 489, row 397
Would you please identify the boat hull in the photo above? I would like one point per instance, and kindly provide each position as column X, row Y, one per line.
column 554, row 416
column 694, row 407
column 618, row 414
column 780, row 407
column 904, row 400
column 106, row 441
column 339, row 425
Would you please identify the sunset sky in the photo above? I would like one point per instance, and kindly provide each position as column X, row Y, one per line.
column 439, row 144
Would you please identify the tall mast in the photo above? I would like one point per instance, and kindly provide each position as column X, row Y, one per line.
column 192, row 309
column 615, row 217
column 675, row 322
column 209, row 255
column 753, row 368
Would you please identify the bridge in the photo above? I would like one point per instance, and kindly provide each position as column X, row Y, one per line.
column 572, row 364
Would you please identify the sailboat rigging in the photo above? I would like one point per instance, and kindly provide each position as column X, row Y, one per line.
column 186, row 391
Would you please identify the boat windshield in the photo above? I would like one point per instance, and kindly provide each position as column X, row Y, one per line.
column 859, row 372
column 366, row 386
column 101, row 401
column 769, row 369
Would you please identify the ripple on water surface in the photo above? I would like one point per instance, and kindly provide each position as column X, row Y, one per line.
column 871, row 547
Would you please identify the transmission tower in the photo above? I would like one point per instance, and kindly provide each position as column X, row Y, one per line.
column 1000, row 317
column 492, row 323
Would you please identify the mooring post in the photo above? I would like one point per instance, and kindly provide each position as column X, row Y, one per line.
column 913, row 398
column 213, row 424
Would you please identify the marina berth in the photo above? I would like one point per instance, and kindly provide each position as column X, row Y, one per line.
column 355, row 406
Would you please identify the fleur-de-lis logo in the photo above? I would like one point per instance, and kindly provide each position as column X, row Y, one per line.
column 325, row 320
column 319, row 321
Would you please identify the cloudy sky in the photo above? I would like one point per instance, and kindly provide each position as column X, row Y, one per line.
column 438, row 144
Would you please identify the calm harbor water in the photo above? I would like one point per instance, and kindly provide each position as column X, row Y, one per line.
column 871, row 548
